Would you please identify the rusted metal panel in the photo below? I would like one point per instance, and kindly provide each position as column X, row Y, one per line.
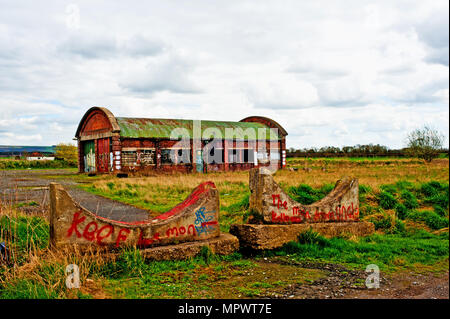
column 162, row 128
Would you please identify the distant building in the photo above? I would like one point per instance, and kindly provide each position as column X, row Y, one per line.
column 24, row 151
column 35, row 156
column 118, row 144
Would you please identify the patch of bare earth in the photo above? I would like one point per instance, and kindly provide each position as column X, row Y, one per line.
column 409, row 286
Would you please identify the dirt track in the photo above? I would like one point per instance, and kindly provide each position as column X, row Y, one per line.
column 343, row 283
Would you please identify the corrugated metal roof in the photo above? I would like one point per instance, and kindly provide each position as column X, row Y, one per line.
column 162, row 128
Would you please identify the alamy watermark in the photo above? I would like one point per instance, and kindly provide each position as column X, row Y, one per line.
column 373, row 279
column 73, row 16
column 72, row 276
column 259, row 146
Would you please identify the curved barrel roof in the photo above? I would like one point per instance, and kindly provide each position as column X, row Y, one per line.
column 163, row 128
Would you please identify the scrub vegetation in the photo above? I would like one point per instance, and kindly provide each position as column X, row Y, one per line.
column 407, row 200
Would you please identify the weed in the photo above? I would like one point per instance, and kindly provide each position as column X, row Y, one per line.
column 386, row 200
column 409, row 200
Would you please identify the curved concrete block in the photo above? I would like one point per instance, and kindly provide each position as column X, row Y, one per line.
column 275, row 206
column 196, row 218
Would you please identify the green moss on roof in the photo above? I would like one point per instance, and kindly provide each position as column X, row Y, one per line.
column 162, row 128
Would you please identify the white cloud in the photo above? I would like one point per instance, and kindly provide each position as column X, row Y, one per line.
column 280, row 91
column 330, row 73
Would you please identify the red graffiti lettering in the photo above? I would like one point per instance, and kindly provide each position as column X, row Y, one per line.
column 75, row 222
column 193, row 232
column 145, row 242
column 275, row 197
column 100, row 237
column 121, row 236
column 90, row 235
column 214, row 222
column 183, row 230
column 172, row 231
column 279, row 203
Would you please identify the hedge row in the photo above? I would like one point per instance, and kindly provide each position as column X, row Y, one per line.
column 22, row 164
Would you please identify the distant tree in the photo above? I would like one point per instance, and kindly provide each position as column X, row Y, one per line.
column 424, row 143
column 67, row 152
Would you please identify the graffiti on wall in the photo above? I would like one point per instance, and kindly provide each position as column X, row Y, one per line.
column 100, row 233
column 204, row 221
column 276, row 206
column 196, row 218
column 282, row 212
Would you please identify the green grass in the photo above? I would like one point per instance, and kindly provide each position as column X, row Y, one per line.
column 23, row 164
column 306, row 195
column 389, row 252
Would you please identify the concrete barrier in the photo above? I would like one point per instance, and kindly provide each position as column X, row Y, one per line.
column 195, row 219
column 274, row 206
column 278, row 219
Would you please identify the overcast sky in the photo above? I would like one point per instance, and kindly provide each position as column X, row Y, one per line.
column 330, row 72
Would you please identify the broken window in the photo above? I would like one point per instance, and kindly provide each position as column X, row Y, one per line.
column 146, row 157
column 215, row 155
column 176, row 156
column 236, row 155
column 249, row 156
column 129, row 158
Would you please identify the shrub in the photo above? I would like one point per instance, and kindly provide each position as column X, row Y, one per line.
column 399, row 227
column 401, row 210
column 22, row 164
column 431, row 219
column 242, row 205
column 409, row 200
column 389, row 189
column 430, row 189
column 439, row 199
column 311, row 237
column 404, row 185
column 440, row 211
column 363, row 189
column 303, row 194
column 382, row 221
column 386, row 200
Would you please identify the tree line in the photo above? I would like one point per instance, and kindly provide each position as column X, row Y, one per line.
column 426, row 143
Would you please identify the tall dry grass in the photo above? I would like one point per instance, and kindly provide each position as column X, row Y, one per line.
column 373, row 174
column 29, row 268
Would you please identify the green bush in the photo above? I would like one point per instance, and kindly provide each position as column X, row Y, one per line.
column 440, row 211
column 430, row 189
column 431, row 219
column 404, row 185
column 363, row 189
column 391, row 189
column 23, row 164
column 409, row 200
column 306, row 195
column 401, row 210
column 438, row 199
column 386, row 200
column 384, row 223
column 311, row 237
column 399, row 227
column 303, row 194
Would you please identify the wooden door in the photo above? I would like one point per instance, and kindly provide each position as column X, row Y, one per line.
column 89, row 156
column 103, row 155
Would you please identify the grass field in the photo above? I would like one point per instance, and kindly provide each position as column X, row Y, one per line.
column 406, row 199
